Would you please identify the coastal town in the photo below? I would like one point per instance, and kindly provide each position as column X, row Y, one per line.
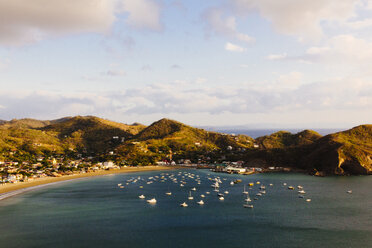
column 16, row 172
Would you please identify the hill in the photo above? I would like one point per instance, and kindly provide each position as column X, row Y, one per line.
column 92, row 134
column 169, row 139
column 347, row 152
column 343, row 153
column 283, row 139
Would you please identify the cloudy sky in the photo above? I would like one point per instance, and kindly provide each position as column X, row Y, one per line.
column 287, row 63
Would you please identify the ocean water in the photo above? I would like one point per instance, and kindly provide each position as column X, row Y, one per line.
column 95, row 212
column 255, row 133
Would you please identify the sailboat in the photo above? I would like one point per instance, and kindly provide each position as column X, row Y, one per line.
column 247, row 200
column 244, row 191
column 168, row 192
column 190, row 196
column 201, row 202
column 183, row 204
column 152, row 201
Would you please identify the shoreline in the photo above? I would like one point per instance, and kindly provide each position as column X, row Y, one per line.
column 9, row 190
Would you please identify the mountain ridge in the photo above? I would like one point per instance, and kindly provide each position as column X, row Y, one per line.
column 342, row 153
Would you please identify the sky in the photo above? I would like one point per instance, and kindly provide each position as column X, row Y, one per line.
column 259, row 63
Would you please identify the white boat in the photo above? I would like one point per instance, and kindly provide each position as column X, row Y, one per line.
column 193, row 189
column 245, row 191
column 221, row 198
column 350, row 191
column 248, row 205
column 190, row 196
column 168, row 193
column 141, row 197
column 301, row 192
column 201, row 202
column 248, row 199
column 207, row 192
column 308, row 200
column 152, row 201
column 119, row 184
column 226, row 192
column 184, row 204
column 231, row 183
column 202, row 195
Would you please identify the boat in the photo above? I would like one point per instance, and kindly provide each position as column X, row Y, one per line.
column 350, row 191
column 168, row 193
column 184, row 204
column 193, row 189
column 141, row 197
column 262, row 187
column 231, row 183
column 285, row 184
column 300, row 187
column 244, row 191
column 119, row 184
column 152, row 201
column 300, row 196
column 226, row 192
column 308, row 200
column 271, row 184
column 221, row 198
column 201, row 202
column 248, row 199
column 258, row 194
column 207, row 192
column 251, row 184
column 301, row 192
column 219, row 194
column 291, row 187
column 190, row 196
column 258, row 182
column 248, row 205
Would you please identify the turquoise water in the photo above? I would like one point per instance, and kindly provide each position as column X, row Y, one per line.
column 95, row 212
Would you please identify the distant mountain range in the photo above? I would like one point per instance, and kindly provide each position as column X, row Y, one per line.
column 341, row 153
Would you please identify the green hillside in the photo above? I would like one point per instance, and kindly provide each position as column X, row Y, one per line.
column 283, row 139
column 347, row 152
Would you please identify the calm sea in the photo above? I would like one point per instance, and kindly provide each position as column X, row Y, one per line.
column 95, row 212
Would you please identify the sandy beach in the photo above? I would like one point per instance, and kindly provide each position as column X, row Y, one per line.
column 10, row 189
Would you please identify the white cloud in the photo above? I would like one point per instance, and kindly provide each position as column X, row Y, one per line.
column 342, row 49
column 300, row 18
column 114, row 73
column 291, row 80
column 23, row 21
column 276, row 56
column 234, row 48
column 224, row 25
column 359, row 24
column 287, row 95
column 143, row 14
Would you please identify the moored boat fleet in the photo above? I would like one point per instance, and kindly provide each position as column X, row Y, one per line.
column 195, row 195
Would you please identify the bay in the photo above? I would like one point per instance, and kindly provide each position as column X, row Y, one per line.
column 95, row 212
